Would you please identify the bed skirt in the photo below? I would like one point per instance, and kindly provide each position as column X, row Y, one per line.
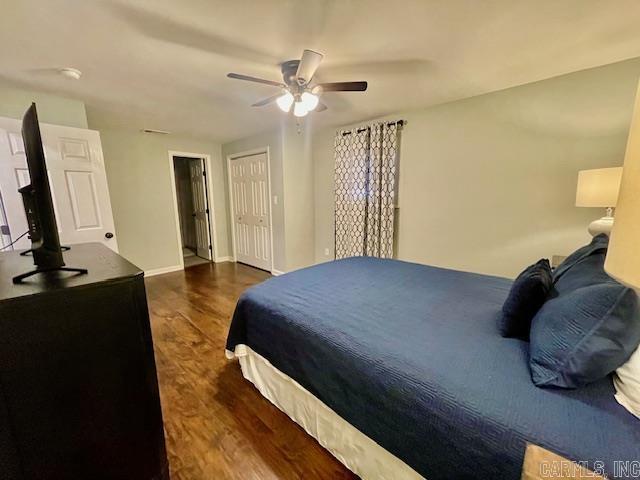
column 353, row 449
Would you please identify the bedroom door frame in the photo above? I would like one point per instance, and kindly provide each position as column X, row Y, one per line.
column 230, row 158
column 210, row 201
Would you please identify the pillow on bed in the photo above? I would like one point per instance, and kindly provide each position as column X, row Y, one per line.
column 627, row 383
column 589, row 327
column 598, row 244
column 528, row 293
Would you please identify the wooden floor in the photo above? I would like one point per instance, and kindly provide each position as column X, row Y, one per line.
column 217, row 425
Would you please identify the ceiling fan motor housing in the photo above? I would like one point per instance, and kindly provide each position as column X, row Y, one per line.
column 289, row 71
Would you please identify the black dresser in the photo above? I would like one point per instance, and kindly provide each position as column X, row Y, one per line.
column 78, row 387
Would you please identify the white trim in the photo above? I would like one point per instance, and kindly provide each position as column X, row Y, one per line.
column 160, row 271
column 248, row 153
column 210, row 201
column 225, row 259
column 276, row 273
column 230, row 199
column 211, row 205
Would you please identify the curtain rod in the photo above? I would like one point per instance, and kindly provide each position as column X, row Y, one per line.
column 360, row 130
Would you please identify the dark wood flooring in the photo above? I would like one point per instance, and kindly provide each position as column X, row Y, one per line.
column 217, row 424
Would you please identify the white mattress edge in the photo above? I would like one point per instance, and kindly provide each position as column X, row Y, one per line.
column 352, row 448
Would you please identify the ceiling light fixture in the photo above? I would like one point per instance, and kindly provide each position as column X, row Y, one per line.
column 285, row 101
column 297, row 88
column 310, row 101
column 72, row 73
column 299, row 109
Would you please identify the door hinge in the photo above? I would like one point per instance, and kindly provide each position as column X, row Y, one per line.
column 204, row 173
column 210, row 247
column 207, row 211
column 4, row 230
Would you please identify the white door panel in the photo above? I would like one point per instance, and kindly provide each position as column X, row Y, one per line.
column 201, row 215
column 77, row 178
column 251, row 210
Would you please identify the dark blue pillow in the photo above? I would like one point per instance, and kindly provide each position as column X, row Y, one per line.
column 598, row 244
column 589, row 327
column 528, row 293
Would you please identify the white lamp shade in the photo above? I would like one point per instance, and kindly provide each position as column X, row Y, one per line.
column 598, row 187
column 623, row 256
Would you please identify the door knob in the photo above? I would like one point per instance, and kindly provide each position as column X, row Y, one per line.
column 108, row 235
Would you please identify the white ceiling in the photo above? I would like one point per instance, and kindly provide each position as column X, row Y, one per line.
column 162, row 63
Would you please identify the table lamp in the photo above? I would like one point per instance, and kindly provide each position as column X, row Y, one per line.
column 623, row 256
column 599, row 188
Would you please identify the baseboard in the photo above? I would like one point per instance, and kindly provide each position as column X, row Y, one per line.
column 224, row 259
column 160, row 271
column 276, row 273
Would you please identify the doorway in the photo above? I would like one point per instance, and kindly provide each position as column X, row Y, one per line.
column 192, row 202
column 250, row 201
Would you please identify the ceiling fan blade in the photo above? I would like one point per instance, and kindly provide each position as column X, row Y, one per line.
column 239, row 76
column 343, row 86
column 267, row 100
column 309, row 63
column 321, row 107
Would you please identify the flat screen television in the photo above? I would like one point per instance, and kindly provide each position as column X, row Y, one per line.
column 38, row 204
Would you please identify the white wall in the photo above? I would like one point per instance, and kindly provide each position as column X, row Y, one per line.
column 487, row 184
column 51, row 108
column 139, row 178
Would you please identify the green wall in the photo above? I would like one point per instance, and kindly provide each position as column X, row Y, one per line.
column 51, row 108
column 139, row 178
column 487, row 184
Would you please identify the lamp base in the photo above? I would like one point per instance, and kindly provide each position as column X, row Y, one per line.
column 602, row 225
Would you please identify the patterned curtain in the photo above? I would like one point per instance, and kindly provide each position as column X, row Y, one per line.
column 365, row 186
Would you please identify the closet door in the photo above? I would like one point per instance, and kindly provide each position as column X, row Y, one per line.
column 251, row 210
column 77, row 178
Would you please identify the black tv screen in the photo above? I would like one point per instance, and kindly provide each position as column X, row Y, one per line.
column 38, row 204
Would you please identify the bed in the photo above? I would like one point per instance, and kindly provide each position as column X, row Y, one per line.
column 399, row 370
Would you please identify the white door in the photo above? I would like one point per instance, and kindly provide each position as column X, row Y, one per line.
column 77, row 178
column 200, row 209
column 251, row 210
column 5, row 237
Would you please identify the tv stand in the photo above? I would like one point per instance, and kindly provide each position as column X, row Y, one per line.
column 22, row 276
column 78, row 387
column 27, row 252
column 19, row 278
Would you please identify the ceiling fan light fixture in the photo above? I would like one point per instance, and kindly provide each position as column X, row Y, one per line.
column 309, row 100
column 296, row 90
column 299, row 109
column 285, row 101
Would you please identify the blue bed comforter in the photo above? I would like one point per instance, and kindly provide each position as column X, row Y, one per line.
column 411, row 356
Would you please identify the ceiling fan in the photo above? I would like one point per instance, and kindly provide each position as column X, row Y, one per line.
column 297, row 91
